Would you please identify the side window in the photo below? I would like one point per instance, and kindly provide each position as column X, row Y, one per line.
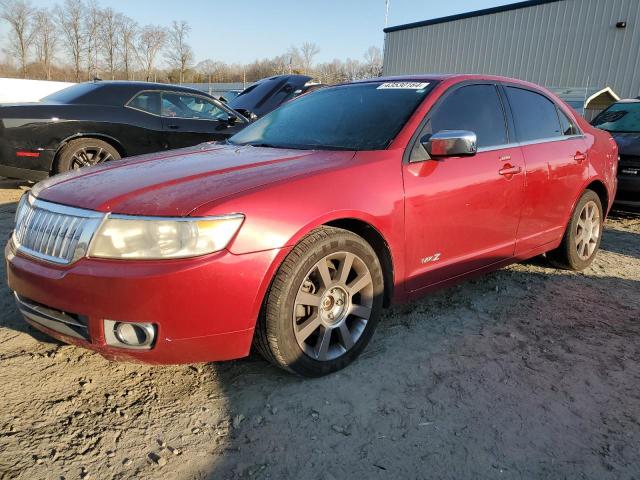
column 147, row 102
column 535, row 116
column 566, row 125
column 475, row 108
column 178, row 105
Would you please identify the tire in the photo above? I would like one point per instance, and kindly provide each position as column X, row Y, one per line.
column 582, row 238
column 314, row 323
column 84, row 152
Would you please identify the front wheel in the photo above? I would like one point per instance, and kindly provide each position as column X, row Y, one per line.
column 583, row 235
column 323, row 305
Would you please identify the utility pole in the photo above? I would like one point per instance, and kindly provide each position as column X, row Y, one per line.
column 386, row 13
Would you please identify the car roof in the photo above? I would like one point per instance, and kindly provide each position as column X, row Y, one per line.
column 447, row 76
column 113, row 92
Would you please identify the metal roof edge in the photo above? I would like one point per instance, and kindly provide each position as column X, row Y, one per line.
column 475, row 13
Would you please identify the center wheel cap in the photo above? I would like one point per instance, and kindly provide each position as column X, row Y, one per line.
column 333, row 306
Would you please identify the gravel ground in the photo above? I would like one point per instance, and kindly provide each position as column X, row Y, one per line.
column 528, row 372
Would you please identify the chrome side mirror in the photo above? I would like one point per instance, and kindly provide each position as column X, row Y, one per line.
column 450, row 143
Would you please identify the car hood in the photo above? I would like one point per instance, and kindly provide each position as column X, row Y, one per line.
column 267, row 94
column 177, row 182
column 628, row 143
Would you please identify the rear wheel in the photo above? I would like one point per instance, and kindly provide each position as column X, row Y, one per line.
column 582, row 237
column 85, row 152
column 323, row 305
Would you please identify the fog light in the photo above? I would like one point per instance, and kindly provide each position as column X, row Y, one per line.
column 129, row 334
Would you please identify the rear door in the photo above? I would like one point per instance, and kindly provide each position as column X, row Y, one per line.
column 462, row 213
column 554, row 151
column 190, row 119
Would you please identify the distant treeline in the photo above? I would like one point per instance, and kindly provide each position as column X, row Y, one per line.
column 79, row 40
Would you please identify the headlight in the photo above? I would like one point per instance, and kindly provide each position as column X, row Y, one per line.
column 153, row 238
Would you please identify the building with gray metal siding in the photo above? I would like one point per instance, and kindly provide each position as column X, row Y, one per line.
column 560, row 44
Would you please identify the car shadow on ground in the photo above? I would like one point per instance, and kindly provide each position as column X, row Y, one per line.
column 527, row 372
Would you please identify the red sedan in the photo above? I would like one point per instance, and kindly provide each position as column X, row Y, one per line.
column 295, row 233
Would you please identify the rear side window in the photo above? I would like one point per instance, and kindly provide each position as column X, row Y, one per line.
column 476, row 108
column 568, row 128
column 147, row 102
column 535, row 116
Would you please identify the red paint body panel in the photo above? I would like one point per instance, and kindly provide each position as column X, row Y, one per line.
column 205, row 308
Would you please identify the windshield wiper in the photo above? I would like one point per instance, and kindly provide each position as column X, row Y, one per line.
column 265, row 145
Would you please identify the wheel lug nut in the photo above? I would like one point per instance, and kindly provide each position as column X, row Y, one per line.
column 339, row 302
column 330, row 315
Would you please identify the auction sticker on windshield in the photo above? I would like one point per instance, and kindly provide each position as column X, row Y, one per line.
column 403, row 85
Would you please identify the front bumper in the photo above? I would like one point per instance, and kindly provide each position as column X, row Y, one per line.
column 204, row 308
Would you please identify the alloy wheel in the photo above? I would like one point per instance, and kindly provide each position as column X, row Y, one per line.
column 587, row 230
column 88, row 156
column 332, row 306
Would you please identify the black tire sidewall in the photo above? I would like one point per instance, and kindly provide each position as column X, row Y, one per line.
column 66, row 153
column 280, row 307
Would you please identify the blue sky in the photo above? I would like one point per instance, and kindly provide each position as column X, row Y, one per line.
column 243, row 30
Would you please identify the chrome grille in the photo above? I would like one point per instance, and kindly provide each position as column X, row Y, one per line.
column 54, row 232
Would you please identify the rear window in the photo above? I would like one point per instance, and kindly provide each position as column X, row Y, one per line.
column 535, row 116
column 72, row 94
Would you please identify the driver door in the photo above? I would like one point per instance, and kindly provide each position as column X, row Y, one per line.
column 189, row 119
column 462, row 213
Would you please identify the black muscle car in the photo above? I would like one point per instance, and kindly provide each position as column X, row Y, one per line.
column 99, row 121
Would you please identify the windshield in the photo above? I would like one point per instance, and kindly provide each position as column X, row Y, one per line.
column 361, row 116
column 620, row 117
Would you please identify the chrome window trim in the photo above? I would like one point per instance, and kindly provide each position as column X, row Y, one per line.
column 550, row 139
column 498, row 147
column 530, row 142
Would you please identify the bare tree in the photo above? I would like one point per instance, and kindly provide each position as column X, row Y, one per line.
column 308, row 51
column 294, row 59
column 92, row 21
column 209, row 69
column 18, row 13
column 45, row 40
column 110, row 33
column 373, row 61
column 150, row 41
column 128, row 31
column 71, row 20
column 179, row 53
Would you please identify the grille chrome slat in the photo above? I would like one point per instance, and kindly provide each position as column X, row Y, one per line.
column 53, row 232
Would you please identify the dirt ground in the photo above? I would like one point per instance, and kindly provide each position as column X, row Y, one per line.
column 527, row 373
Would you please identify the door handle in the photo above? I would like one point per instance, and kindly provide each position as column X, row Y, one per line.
column 579, row 157
column 173, row 127
column 509, row 170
